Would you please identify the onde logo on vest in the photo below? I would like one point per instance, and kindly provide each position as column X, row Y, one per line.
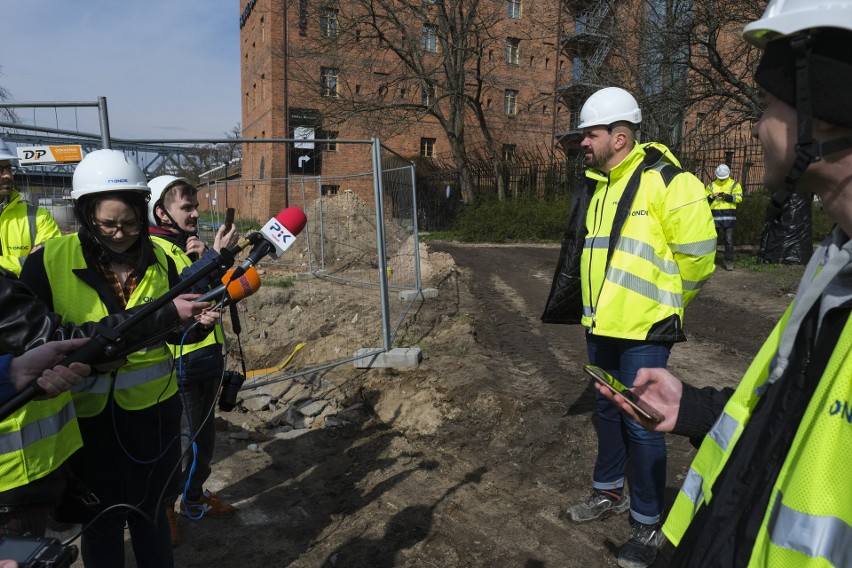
column 842, row 408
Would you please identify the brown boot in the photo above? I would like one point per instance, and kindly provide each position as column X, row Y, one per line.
column 174, row 535
column 208, row 505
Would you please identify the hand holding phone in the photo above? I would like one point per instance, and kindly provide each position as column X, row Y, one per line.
column 229, row 218
column 643, row 409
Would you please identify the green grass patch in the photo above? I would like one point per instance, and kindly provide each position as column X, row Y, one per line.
column 439, row 236
column 279, row 282
column 524, row 220
column 531, row 219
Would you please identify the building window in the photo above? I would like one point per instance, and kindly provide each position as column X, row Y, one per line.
column 329, row 189
column 510, row 102
column 427, row 147
column 328, row 82
column 428, row 96
column 577, row 63
column 430, row 38
column 329, row 146
column 514, row 8
column 509, row 152
column 328, row 22
column 512, row 45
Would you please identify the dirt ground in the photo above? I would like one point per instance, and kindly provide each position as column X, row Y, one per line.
column 468, row 459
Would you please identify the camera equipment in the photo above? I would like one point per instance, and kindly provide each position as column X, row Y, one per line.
column 33, row 552
column 231, row 383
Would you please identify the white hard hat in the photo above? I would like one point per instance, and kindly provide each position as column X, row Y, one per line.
column 158, row 186
column 608, row 106
column 6, row 153
column 723, row 171
column 787, row 17
column 107, row 170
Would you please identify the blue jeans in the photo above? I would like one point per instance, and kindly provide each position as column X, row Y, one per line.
column 199, row 390
column 620, row 437
column 728, row 233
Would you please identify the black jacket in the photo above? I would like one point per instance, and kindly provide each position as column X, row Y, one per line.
column 27, row 322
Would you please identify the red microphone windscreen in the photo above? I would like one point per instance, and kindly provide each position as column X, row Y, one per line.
column 293, row 219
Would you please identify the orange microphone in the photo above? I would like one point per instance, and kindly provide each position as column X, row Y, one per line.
column 233, row 290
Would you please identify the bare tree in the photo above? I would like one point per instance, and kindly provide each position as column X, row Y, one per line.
column 689, row 60
column 7, row 114
column 205, row 157
column 423, row 62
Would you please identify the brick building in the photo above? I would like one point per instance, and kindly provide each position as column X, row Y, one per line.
column 330, row 70
column 337, row 70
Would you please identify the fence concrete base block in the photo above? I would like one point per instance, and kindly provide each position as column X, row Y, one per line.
column 308, row 275
column 410, row 295
column 398, row 357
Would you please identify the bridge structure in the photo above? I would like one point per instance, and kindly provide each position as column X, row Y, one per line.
column 153, row 159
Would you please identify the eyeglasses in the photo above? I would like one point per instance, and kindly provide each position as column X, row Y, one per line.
column 8, row 168
column 109, row 228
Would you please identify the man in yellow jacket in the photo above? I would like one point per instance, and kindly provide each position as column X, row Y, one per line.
column 768, row 485
column 646, row 245
column 23, row 226
column 724, row 193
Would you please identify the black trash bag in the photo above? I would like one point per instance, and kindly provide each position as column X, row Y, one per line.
column 788, row 238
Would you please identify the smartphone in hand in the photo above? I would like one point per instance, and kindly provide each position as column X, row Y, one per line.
column 642, row 409
column 229, row 218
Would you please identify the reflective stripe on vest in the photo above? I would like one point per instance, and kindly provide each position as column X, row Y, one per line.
column 100, row 384
column 146, row 378
column 812, row 535
column 716, row 447
column 722, row 215
column 807, row 521
column 722, row 433
column 631, row 278
column 36, row 431
column 644, row 288
column 646, row 252
column 698, row 248
column 182, row 261
column 37, row 439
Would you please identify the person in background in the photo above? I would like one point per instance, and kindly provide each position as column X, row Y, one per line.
column 640, row 245
column 129, row 417
column 768, row 485
column 723, row 194
column 173, row 214
column 23, row 226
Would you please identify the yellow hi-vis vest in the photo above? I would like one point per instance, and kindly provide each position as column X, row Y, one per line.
column 725, row 212
column 663, row 255
column 182, row 261
column 146, row 378
column 36, row 440
column 808, row 522
column 22, row 226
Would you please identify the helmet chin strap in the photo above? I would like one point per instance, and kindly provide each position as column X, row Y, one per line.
column 172, row 224
column 808, row 150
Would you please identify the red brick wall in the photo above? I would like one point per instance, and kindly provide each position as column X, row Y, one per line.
column 263, row 87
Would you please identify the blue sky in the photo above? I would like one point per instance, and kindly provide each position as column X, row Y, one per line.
column 169, row 69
